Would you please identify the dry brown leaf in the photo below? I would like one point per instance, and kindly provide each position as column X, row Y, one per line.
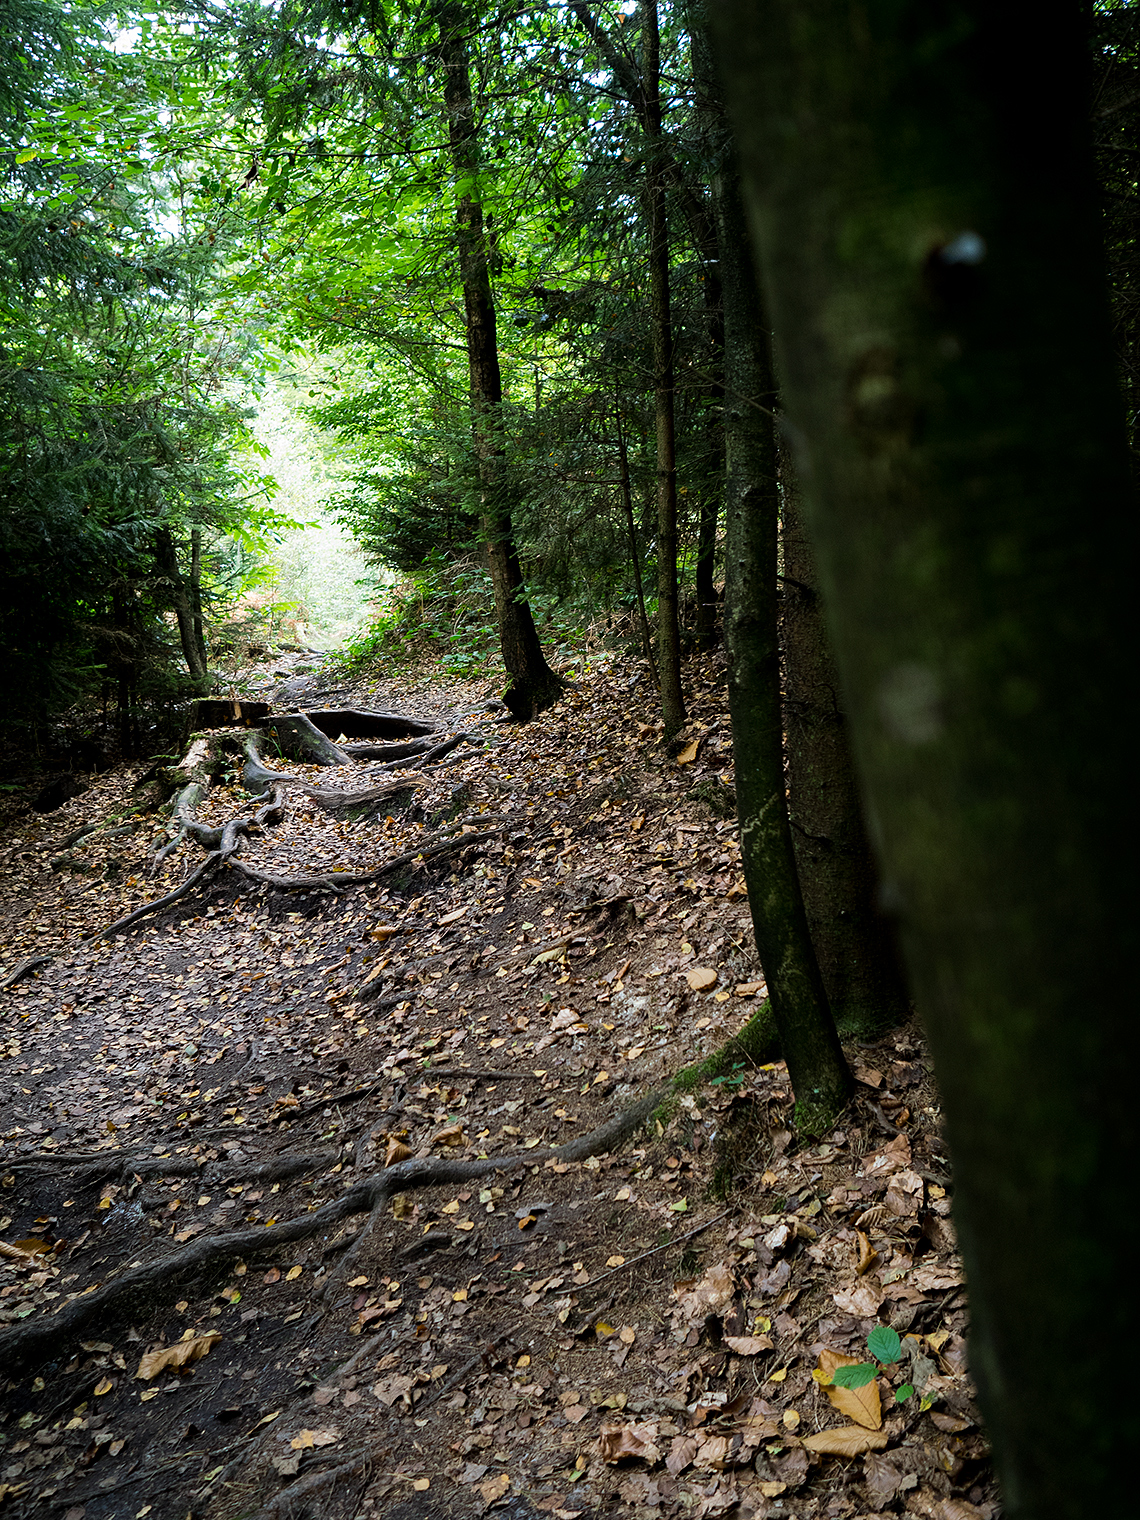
column 749, row 989
column 846, row 1441
column 700, row 978
column 748, row 1345
column 689, row 753
column 305, row 1440
column 681, row 1453
column 397, row 1151
column 494, row 1488
column 862, row 1298
column 618, row 1442
column 181, row 1354
column 861, row 1404
column 868, row 1256
column 709, row 1293
column 450, row 1134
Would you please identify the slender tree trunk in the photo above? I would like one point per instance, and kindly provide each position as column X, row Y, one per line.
column 166, row 558
column 533, row 685
column 195, row 589
column 853, row 938
column 818, row 1071
column 634, row 552
column 711, row 484
column 922, row 199
column 668, row 623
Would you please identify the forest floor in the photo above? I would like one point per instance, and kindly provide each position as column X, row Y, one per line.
column 648, row 1331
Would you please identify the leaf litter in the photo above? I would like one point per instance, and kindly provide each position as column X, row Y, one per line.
column 602, row 1336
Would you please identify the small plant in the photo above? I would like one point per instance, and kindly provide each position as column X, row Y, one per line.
column 733, row 1078
column 884, row 1345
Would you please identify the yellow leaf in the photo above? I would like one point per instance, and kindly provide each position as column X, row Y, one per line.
column 846, row 1441
column 689, row 753
column 861, row 1404
column 779, row 1375
column 181, row 1354
column 293, row 1274
column 104, row 1385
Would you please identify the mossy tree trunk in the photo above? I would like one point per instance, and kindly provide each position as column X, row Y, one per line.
column 853, row 938
column 921, row 197
column 818, row 1071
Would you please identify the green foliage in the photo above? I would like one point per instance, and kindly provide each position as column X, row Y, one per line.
column 884, row 1345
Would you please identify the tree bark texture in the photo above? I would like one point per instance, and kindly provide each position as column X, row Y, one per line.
column 533, row 684
column 921, row 197
column 818, row 1071
column 166, row 558
column 657, row 232
column 853, row 938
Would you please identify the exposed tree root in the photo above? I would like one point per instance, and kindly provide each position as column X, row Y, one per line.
column 282, row 1503
column 34, row 1341
column 25, row 968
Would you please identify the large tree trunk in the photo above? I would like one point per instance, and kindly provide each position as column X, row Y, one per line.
column 819, row 1074
column 921, row 197
column 853, row 938
column 661, row 323
column 533, row 685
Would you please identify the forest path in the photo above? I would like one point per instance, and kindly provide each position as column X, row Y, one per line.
column 514, row 1343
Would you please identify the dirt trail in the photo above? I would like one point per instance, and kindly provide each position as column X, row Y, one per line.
column 634, row 1333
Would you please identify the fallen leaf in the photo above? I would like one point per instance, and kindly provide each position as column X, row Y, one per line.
column 450, row 1134
column 397, row 1151
column 638, row 1440
column 846, row 1441
column 861, row 1404
column 681, row 1452
column 748, row 1345
column 293, row 1273
column 494, row 1488
column 181, row 1354
column 750, row 989
column 868, row 1256
column 306, row 1440
column 422, row 1484
column 689, row 753
column 700, row 978
column 104, row 1385
column 451, row 918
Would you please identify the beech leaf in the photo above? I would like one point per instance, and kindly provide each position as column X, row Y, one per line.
column 181, row 1354
column 846, row 1441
